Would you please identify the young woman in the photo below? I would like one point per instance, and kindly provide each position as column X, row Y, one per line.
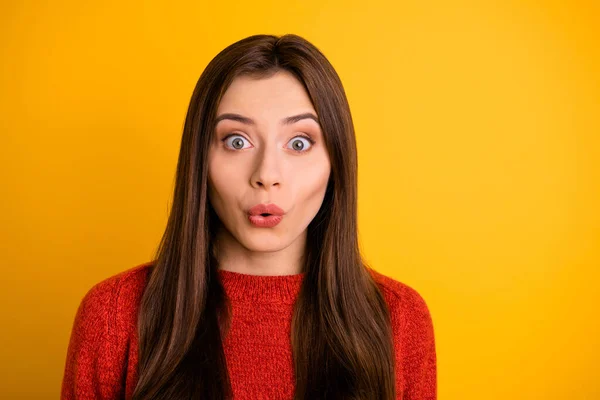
column 258, row 289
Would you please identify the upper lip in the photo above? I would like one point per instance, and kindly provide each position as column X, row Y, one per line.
column 266, row 209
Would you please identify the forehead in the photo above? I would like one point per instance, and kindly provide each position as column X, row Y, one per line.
column 275, row 97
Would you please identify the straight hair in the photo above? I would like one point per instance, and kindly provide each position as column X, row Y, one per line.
column 341, row 334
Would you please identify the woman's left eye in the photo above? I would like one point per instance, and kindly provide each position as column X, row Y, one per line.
column 299, row 143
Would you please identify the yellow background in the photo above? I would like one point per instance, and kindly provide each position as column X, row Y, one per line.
column 478, row 126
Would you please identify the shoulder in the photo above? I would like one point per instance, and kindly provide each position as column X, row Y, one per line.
column 401, row 298
column 411, row 319
column 113, row 302
column 103, row 329
column 124, row 286
column 413, row 336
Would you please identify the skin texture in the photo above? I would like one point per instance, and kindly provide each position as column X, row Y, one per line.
column 268, row 166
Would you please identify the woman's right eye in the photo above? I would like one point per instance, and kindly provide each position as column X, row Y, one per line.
column 234, row 142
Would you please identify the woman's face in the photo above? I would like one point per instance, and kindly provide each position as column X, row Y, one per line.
column 262, row 159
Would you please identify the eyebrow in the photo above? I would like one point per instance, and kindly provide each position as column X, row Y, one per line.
column 249, row 121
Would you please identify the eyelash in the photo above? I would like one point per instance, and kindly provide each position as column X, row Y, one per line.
column 311, row 140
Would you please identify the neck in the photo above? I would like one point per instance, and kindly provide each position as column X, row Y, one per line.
column 268, row 261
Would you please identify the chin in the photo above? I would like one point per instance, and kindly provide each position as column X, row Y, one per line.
column 267, row 241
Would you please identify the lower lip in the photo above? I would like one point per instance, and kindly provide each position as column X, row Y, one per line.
column 265, row 222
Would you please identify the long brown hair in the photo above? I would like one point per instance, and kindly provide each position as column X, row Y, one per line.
column 341, row 334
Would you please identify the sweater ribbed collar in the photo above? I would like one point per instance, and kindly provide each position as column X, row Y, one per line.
column 250, row 288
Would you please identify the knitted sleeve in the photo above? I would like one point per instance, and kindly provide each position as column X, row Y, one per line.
column 94, row 367
column 416, row 336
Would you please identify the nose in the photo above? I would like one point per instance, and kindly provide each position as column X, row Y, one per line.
column 267, row 172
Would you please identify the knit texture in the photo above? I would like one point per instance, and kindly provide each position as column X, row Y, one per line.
column 102, row 355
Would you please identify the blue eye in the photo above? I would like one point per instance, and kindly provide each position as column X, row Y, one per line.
column 237, row 142
column 299, row 145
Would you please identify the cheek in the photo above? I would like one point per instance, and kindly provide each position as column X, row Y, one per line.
column 314, row 182
column 223, row 168
column 221, row 181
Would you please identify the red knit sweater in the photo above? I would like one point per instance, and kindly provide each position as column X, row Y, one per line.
column 102, row 353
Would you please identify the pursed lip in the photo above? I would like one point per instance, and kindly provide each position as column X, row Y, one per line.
column 271, row 209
